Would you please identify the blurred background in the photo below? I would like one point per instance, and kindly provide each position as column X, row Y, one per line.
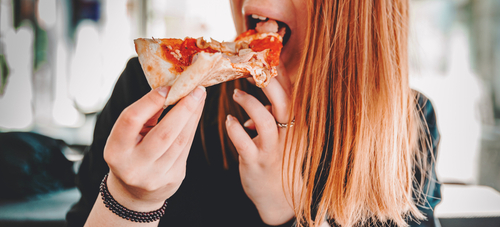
column 59, row 61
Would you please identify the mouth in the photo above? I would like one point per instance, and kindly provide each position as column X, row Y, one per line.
column 283, row 29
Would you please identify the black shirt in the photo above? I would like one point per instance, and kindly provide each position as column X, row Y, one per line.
column 209, row 194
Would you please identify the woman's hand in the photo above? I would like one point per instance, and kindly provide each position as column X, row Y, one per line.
column 147, row 158
column 261, row 157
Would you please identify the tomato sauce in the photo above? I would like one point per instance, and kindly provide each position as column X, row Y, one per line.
column 186, row 51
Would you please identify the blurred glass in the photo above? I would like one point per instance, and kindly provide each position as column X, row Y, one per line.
column 454, row 54
column 441, row 70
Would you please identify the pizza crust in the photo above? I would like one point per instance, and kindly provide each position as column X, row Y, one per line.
column 153, row 65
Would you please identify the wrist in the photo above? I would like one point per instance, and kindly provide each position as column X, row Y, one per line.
column 134, row 201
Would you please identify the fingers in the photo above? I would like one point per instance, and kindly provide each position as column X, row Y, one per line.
column 182, row 143
column 263, row 119
column 150, row 123
column 280, row 100
column 249, row 124
column 251, row 80
column 175, row 167
column 167, row 131
column 284, row 79
column 279, row 92
column 125, row 132
column 241, row 140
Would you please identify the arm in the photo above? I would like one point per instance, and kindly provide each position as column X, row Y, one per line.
column 130, row 87
column 146, row 158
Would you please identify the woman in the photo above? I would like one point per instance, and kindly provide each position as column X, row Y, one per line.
column 359, row 151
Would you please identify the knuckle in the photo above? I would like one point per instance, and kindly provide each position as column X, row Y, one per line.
column 128, row 179
column 269, row 121
column 189, row 104
column 150, row 186
column 232, row 129
column 280, row 106
column 165, row 135
column 244, row 147
column 129, row 116
column 245, row 100
column 181, row 140
column 154, row 98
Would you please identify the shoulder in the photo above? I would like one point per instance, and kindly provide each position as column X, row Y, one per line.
column 130, row 86
column 427, row 113
column 425, row 106
column 431, row 195
column 132, row 83
column 134, row 64
column 133, row 71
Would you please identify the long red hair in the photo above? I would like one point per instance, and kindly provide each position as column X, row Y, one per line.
column 356, row 121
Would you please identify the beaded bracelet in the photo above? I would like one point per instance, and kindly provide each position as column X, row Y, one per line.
column 124, row 212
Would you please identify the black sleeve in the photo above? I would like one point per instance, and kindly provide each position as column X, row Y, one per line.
column 431, row 186
column 131, row 86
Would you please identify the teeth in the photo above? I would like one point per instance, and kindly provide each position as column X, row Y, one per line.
column 255, row 16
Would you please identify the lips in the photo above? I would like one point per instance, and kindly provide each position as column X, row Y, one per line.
column 253, row 19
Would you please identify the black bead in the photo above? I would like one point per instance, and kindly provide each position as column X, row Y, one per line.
column 126, row 213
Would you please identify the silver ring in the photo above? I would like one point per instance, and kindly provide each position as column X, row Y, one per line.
column 285, row 125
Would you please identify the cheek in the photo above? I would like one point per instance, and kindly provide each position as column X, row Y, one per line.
column 301, row 29
column 294, row 48
column 300, row 8
column 236, row 10
column 301, row 12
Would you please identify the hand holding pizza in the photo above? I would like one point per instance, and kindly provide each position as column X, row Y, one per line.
column 261, row 157
column 147, row 158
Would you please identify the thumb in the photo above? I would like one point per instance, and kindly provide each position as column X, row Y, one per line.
column 132, row 120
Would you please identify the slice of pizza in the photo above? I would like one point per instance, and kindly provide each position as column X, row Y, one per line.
column 186, row 64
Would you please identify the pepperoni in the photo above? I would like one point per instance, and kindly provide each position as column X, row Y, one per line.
column 245, row 34
column 271, row 43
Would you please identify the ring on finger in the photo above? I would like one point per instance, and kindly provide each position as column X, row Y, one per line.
column 285, row 125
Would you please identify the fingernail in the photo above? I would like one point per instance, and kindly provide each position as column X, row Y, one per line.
column 138, row 139
column 238, row 92
column 246, row 124
column 228, row 118
column 198, row 92
column 231, row 118
column 163, row 91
